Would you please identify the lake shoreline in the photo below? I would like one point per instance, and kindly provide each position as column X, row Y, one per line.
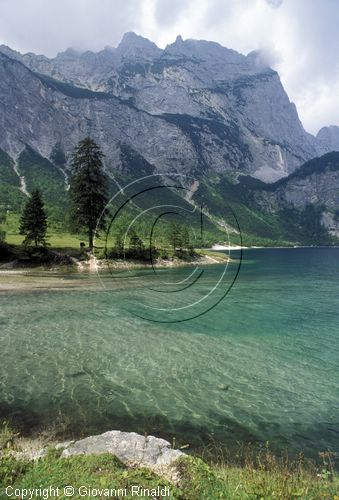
column 14, row 276
column 72, row 348
column 210, row 256
column 93, row 264
column 157, row 467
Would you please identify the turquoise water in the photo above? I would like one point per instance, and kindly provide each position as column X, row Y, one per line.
column 262, row 365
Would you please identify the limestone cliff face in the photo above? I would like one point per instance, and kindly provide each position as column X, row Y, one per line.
column 36, row 112
column 315, row 183
column 193, row 107
column 328, row 138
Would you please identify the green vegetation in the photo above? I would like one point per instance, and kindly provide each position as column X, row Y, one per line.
column 3, row 218
column 229, row 204
column 63, row 241
column 266, row 477
column 7, row 435
column 327, row 162
column 233, row 203
column 37, row 256
column 134, row 165
column 174, row 242
column 33, row 222
column 101, row 472
column 229, row 200
column 266, row 480
column 179, row 238
column 305, row 225
column 10, row 197
column 88, row 189
column 136, row 245
column 58, row 156
column 41, row 174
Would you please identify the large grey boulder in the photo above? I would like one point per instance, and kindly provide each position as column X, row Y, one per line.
column 131, row 448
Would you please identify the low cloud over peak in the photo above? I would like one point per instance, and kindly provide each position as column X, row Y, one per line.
column 298, row 39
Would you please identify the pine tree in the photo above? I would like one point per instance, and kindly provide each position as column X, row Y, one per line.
column 136, row 245
column 175, row 237
column 185, row 237
column 3, row 218
column 33, row 222
column 119, row 244
column 88, row 188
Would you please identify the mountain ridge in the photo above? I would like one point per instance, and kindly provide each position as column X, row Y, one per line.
column 194, row 108
column 293, row 210
column 200, row 79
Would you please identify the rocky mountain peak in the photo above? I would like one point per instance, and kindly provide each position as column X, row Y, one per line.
column 133, row 45
column 258, row 59
column 108, row 48
column 69, row 53
column 204, row 105
column 329, row 138
column 201, row 49
column 13, row 54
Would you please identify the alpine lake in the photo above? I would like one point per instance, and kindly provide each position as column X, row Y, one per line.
column 219, row 356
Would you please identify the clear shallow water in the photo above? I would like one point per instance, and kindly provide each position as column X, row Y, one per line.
column 262, row 365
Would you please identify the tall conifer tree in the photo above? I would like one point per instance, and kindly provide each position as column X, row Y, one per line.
column 88, row 188
column 33, row 222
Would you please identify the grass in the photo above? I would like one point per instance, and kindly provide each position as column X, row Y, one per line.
column 198, row 479
column 100, row 472
column 266, row 477
column 240, row 203
column 56, row 238
column 69, row 243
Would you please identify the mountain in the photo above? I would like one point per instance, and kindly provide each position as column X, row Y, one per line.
column 308, row 199
column 302, row 208
column 328, row 137
column 195, row 108
column 313, row 187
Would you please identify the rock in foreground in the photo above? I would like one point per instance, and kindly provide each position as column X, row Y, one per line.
column 131, row 448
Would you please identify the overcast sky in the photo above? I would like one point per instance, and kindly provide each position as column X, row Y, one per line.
column 300, row 37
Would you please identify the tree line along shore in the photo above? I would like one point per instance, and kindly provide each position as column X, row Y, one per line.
column 88, row 197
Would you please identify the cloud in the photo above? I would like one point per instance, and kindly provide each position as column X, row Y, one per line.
column 274, row 3
column 297, row 38
column 51, row 26
column 168, row 12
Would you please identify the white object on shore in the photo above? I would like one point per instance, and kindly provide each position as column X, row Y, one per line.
column 223, row 247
